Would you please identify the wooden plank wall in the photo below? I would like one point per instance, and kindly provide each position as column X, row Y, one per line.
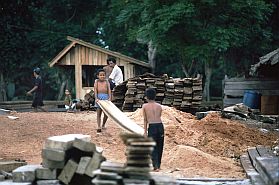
column 234, row 88
column 81, row 55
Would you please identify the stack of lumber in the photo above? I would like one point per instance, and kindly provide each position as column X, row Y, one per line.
column 181, row 93
column 119, row 94
column 137, row 167
column 197, row 92
column 67, row 159
column 261, row 165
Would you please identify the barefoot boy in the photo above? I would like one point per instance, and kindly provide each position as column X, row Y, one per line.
column 102, row 92
column 153, row 124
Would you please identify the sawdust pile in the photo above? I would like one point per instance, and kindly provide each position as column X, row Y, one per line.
column 213, row 143
column 193, row 148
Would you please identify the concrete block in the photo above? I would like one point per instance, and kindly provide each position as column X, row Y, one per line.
column 84, row 145
column 25, row 173
column 48, row 182
column 64, row 142
column 9, row 166
column 53, row 164
column 68, row 172
column 53, row 154
column 83, row 163
column 10, row 182
column 94, row 164
column 46, row 173
column 2, row 177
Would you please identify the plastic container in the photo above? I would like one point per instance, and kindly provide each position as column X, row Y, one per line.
column 270, row 105
column 252, row 99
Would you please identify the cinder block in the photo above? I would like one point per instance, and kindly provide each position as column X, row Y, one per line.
column 53, row 164
column 46, row 173
column 84, row 161
column 94, row 164
column 10, row 182
column 53, row 154
column 64, row 142
column 68, row 172
column 9, row 166
column 84, row 145
column 25, row 173
column 48, row 182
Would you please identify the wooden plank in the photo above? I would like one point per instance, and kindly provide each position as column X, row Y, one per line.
column 240, row 92
column 247, row 79
column 87, row 56
column 250, row 171
column 72, row 54
column 257, row 86
column 231, row 101
column 268, row 168
column 264, row 151
column 95, row 54
column 68, row 59
column 78, row 73
column 253, row 153
column 119, row 117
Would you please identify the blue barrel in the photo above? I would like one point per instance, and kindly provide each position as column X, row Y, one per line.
column 252, row 99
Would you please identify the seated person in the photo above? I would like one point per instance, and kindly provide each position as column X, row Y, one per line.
column 70, row 105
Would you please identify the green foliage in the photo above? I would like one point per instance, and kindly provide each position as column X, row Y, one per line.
column 229, row 35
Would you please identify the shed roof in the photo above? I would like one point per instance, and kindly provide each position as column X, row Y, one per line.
column 75, row 41
column 269, row 59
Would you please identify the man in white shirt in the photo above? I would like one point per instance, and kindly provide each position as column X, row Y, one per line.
column 116, row 75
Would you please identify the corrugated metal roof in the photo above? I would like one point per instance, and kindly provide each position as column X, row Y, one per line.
column 269, row 59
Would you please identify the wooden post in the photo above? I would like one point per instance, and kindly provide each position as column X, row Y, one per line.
column 78, row 72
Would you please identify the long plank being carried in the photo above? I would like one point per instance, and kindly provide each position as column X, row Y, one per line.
column 119, row 117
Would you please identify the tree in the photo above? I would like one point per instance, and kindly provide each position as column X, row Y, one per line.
column 204, row 30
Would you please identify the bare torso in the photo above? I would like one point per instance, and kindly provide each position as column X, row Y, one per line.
column 152, row 111
column 102, row 86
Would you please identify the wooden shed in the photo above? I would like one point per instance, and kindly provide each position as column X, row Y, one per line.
column 264, row 79
column 86, row 58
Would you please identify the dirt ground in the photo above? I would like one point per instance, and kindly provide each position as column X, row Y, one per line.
column 210, row 147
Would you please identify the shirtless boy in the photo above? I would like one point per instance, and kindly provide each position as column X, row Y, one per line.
column 153, row 126
column 102, row 92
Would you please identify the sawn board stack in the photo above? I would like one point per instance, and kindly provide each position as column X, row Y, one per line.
column 181, row 93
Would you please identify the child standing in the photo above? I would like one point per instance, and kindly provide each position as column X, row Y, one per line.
column 153, row 124
column 102, row 92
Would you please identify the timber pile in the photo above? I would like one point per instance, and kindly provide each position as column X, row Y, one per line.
column 67, row 159
column 261, row 165
column 183, row 94
column 136, row 170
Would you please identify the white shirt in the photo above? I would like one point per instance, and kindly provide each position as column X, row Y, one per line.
column 116, row 75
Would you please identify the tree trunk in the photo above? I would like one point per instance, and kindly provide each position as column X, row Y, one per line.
column 3, row 94
column 152, row 51
column 208, row 74
column 184, row 70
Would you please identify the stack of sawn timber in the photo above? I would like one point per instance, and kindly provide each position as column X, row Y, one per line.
column 67, row 159
column 181, row 93
column 137, row 168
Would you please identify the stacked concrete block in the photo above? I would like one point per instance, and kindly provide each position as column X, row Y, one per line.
column 25, row 173
column 67, row 159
